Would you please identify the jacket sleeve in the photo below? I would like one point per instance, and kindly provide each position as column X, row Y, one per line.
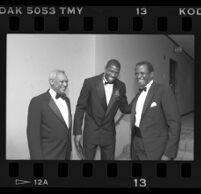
column 173, row 120
column 33, row 130
column 80, row 109
column 124, row 106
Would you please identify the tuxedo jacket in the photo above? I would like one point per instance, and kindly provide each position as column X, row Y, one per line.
column 99, row 117
column 49, row 138
column 160, row 123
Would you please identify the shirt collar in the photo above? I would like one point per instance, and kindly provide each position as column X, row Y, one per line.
column 52, row 92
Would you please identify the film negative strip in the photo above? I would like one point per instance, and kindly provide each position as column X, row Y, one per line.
column 36, row 150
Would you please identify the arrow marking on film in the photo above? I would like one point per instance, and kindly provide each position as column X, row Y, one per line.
column 21, row 182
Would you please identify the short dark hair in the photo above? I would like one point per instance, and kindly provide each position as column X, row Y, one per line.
column 113, row 62
column 147, row 63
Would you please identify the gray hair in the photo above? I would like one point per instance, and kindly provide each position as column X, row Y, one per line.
column 54, row 74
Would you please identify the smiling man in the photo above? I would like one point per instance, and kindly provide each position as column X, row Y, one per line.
column 99, row 100
column 49, row 121
column 155, row 120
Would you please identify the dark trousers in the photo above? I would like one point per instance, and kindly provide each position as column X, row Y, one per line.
column 138, row 151
column 107, row 152
column 69, row 148
column 137, row 146
column 68, row 154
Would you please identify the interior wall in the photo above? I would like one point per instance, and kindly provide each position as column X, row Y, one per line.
column 185, row 86
column 30, row 59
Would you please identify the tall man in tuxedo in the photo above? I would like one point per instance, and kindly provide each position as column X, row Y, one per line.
column 99, row 100
column 155, row 119
column 49, row 121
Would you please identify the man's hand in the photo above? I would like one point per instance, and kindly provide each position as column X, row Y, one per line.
column 164, row 157
column 79, row 142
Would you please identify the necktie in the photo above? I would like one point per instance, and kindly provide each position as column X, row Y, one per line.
column 143, row 89
column 63, row 96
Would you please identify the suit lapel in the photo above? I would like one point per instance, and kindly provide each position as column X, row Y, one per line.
column 114, row 96
column 101, row 92
column 56, row 110
column 148, row 99
column 133, row 111
column 69, row 112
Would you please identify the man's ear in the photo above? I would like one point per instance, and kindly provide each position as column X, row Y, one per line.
column 152, row 74
column 51, row 82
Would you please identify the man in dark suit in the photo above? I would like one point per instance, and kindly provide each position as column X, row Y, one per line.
column 155, row 120
column 49, row 121
column 99, row 100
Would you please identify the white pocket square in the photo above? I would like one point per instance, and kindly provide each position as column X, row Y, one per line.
column 153, row 104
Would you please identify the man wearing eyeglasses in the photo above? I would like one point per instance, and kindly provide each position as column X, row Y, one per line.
column 49, row 121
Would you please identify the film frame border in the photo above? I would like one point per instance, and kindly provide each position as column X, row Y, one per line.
column 114, row 23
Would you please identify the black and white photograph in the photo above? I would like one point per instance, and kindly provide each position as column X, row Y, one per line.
column 100, row 97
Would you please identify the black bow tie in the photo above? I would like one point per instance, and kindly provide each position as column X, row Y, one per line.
column 63, row 96
column 143, row 89
column 108, row 83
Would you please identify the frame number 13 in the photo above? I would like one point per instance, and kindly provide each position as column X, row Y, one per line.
column 140, row 182
column 141, row 11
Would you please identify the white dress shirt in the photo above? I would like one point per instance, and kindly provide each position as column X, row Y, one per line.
column 61, row 104
column 108, row 90
column 140, row 104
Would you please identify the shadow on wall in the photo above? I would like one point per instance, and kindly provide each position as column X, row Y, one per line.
column 125, row 154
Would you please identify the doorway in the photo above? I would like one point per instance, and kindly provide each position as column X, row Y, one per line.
column 173, row 66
